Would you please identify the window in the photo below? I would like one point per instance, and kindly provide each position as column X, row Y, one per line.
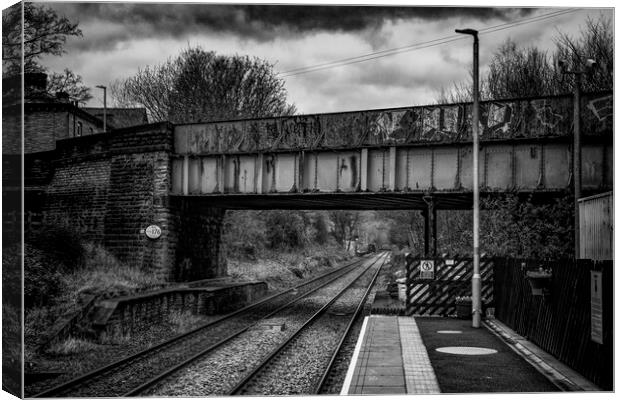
column 79, row 129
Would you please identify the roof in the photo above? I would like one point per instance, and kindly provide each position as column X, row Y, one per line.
column 120, row 117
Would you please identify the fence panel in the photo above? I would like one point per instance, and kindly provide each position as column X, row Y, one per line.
column 452, row 278
column 559, row 322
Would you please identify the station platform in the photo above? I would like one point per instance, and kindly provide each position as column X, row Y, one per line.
column 428, row 355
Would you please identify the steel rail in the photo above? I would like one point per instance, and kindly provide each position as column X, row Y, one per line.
column 356, row 314
column 150, row 383
column 94, row 374
column 248, row 377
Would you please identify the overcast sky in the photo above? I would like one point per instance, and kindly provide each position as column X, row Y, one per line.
column 120, row 38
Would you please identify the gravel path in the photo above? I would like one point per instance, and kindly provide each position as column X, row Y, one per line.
column 217, row 372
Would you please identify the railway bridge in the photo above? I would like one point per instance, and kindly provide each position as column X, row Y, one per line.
column 183, row 177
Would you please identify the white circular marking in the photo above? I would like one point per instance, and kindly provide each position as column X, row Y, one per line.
column 153, row 231
column 450, row 332
column 469, row 351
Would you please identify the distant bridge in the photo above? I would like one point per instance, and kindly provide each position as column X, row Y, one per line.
column 393, row 158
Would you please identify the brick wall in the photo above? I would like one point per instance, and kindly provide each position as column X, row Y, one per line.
column 113, row 186
column 138, row 197
column 42, row 128
column 11, row 130
column 44, row 124
column 76, row 196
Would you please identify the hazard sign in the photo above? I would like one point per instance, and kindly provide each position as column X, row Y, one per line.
column 427, row 269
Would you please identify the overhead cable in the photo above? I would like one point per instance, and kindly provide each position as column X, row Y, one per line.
column 420, row 45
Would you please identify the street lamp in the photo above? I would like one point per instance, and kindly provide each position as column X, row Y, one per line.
column 475, row 280
column 590, row 63
column 105, row 107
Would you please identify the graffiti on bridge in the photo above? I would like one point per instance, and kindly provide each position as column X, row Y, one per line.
column 521, row 118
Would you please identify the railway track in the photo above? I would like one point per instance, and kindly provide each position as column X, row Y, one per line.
column 301, row 364
column 218, row 370
column 136, row 373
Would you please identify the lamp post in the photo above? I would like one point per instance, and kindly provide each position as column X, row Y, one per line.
column 105, row 107
column 475, row 280
column 590, row 63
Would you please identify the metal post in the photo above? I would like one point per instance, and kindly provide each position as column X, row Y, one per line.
column 475, row 280
column 427, row 237
column 577, row 155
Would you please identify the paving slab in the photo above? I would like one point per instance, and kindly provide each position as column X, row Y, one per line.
column 398, row 355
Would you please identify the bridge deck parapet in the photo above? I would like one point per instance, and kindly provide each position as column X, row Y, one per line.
column 545, row 117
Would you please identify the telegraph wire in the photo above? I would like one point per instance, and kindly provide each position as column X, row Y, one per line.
column 419, row 46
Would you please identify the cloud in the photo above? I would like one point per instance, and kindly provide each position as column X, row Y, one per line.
column 256, row 22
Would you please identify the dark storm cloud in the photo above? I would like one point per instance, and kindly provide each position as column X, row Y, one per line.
column 258, row 22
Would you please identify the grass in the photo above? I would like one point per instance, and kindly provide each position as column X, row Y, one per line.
column 100, row 273
column 284, row 269
column 72, row 346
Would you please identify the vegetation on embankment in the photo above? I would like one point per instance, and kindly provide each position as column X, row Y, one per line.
column 280, row 247
column 59, row 268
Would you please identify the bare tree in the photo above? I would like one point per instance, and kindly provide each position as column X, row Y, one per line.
column 45, row 32
column 151, row 88
column 200, row 86
column 522, row 72
column 596, row 42
column 519, row 72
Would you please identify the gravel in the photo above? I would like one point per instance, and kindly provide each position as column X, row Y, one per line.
column 300, row 366
column 218, row 372
column 121, row 380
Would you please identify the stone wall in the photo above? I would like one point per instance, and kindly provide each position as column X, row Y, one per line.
column 111, row 187
column 118, row 317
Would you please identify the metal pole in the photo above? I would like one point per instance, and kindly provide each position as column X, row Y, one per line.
column 475, row 280
column 577, row 155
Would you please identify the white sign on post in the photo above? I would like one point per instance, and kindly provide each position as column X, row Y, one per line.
column 596, row 306
column 427, row 269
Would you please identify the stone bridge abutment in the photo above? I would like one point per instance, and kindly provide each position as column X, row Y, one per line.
column 111, row 187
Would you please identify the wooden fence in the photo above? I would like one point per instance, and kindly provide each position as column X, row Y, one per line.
column 452, row 278
column 559, row 322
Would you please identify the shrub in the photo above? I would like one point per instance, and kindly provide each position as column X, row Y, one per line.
column 11, row 275
column 285, row 229
column 59, row 245
column 102, row 272
column 42, row 282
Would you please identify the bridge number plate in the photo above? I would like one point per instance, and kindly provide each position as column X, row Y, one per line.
column 153, row 232
column 427, row 269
